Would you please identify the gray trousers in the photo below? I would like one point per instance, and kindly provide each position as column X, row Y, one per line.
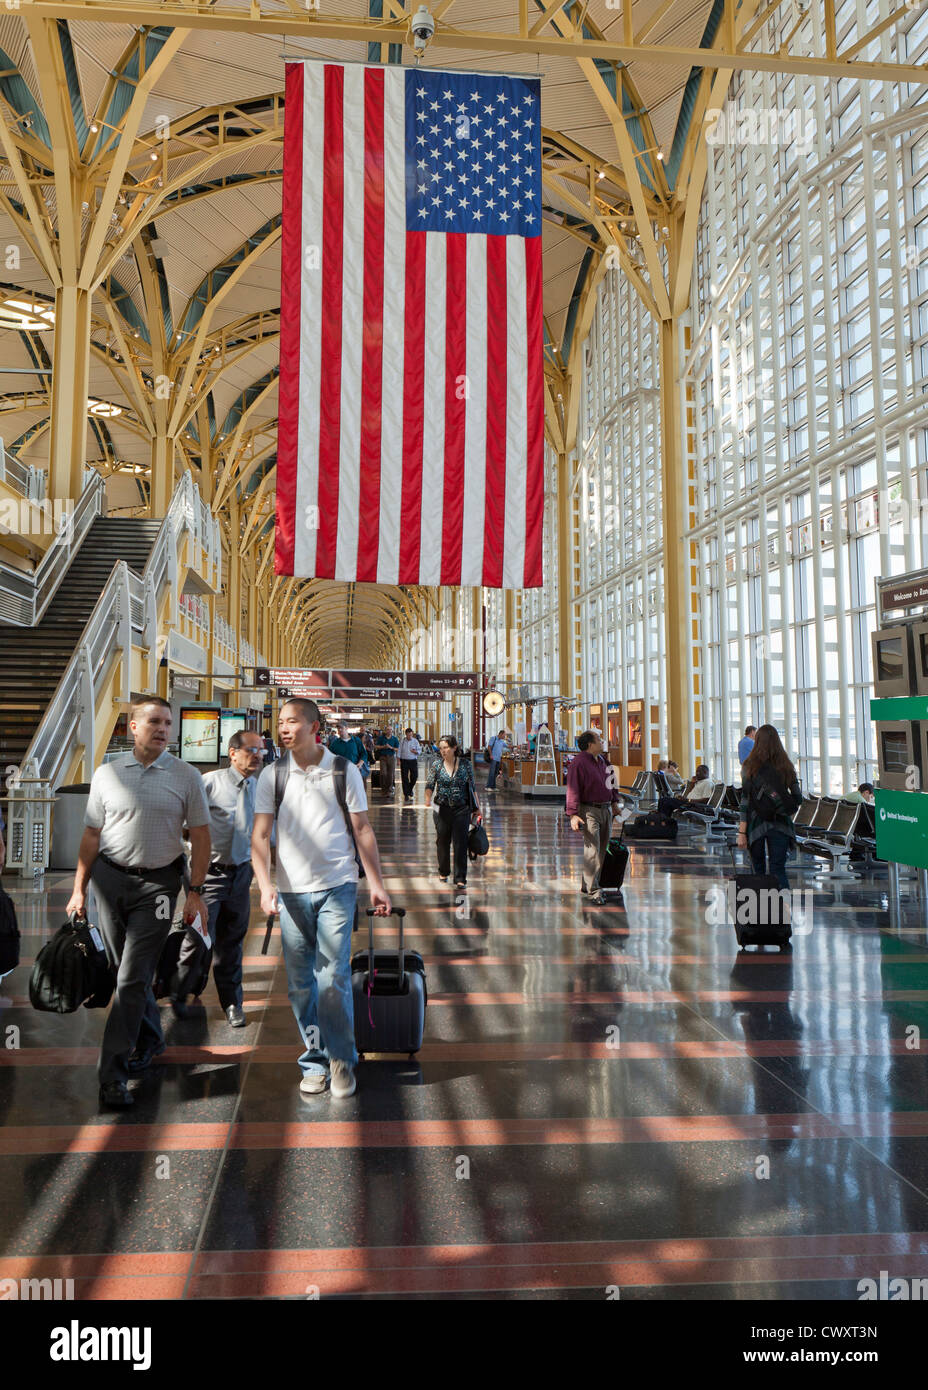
column 135, row 917
column 597, row 827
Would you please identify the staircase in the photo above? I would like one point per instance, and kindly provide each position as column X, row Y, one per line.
column 33, row 659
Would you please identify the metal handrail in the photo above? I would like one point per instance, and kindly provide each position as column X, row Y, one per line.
column 127, row 606
column 25, row 597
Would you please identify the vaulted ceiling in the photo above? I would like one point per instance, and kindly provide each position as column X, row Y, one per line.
column 188, row 262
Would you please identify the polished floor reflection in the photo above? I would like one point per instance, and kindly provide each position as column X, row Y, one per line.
column 607, row 1096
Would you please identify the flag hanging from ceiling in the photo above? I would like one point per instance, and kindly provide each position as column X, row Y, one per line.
column 411, row 416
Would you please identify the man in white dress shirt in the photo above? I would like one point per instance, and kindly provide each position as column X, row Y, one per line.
column 410, row 748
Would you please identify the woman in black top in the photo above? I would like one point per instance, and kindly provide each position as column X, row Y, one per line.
column 450, row 781
column 770, row 795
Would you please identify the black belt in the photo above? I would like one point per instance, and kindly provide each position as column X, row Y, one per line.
column 227, row 868
column 177, row 863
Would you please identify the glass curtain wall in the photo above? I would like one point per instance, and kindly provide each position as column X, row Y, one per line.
column 620, row 533
column 807, row 370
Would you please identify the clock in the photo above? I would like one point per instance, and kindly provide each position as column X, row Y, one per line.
column 493, row 702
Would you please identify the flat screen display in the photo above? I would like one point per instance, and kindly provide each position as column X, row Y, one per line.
column 889, row 659
column 231, row 721
column 923, row 653
column 895, row 746
column 199, row 735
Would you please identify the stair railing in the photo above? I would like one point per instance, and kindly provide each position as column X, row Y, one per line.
column 25, row 597
column 125, row 614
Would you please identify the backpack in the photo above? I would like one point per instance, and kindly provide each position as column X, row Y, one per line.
column 9, row 934
column 770, row 799
column 339, row 778
column 70, row 970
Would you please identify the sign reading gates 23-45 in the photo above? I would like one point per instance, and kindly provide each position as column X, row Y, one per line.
column 902, row 827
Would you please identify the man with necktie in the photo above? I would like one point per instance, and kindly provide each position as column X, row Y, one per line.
column 230, row 793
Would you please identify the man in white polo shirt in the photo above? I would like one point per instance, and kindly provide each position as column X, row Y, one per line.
column 133, row 848
column 317, row 875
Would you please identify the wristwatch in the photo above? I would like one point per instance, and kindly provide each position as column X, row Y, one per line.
column 197, row 887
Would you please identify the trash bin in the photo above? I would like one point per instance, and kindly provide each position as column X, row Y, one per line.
column 68, row 825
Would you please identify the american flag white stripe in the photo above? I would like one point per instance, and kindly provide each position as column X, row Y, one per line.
column 394, row 309
column 352, row 395
column 311, row 306
column 516, row 417
column 475, row 423
column 433, row 447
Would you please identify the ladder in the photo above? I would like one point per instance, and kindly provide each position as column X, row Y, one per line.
column 545, row 765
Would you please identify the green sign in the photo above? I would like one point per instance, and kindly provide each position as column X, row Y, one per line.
column 902, row 826
column 902, row 707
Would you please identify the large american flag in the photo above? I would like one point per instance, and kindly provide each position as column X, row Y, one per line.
column 411, row 416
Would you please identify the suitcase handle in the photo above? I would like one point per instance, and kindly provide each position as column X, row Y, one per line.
column 399, row 912
column 267, row 935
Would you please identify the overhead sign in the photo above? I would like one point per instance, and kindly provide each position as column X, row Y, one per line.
column 901, row 827
column 905, row 591
column 442, row 680
column 900, row 707
column 410, row 685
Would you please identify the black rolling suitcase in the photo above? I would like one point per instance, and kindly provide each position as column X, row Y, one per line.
column 612, row 873
column 761, row 915
column 389, row 994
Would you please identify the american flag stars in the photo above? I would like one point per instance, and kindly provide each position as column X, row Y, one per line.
column 488, row 133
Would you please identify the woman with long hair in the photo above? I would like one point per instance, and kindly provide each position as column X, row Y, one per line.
column 770, row 795
column 450, row 782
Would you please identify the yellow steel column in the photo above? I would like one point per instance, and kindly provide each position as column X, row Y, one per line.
column 70, row 380
column 162, row 472
column 677, row 621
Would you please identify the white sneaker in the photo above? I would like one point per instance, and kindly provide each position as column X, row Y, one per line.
column 313, row 1083
column 344, row 1083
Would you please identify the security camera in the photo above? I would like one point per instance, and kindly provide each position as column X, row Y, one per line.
column 423, row 27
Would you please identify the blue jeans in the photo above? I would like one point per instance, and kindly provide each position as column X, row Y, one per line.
column 494, row 773
column 776, row 845
column 315, row 930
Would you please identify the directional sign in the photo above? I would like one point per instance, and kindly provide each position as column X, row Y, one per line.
column 262, row 675
column 297, row 677
column 442, row 680
column 349, row 679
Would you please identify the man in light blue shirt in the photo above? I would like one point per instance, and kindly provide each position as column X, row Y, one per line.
column 747, row 743
column 497, row 748
column 230, row 793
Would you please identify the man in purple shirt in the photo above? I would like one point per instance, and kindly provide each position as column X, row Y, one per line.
column 592, row 802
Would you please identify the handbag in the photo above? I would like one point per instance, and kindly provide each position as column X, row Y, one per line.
column 477, row 841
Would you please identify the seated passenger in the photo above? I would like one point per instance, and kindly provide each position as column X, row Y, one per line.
column 698, row 789
column 864, row 793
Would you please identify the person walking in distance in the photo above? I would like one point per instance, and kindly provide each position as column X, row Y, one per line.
column 322, row 825
column 450, row 783
column 387, row 746
column 410, row 748
column 230, row 793
column 746, row 743
column 133, row 850
column 592, row 803
column 770, row 795
column 497, row 747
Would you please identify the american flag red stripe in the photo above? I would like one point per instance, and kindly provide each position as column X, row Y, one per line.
column 411, row 395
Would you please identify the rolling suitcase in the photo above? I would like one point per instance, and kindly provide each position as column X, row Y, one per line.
column 761, row 915
column 612, row 873
column 389, row 994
